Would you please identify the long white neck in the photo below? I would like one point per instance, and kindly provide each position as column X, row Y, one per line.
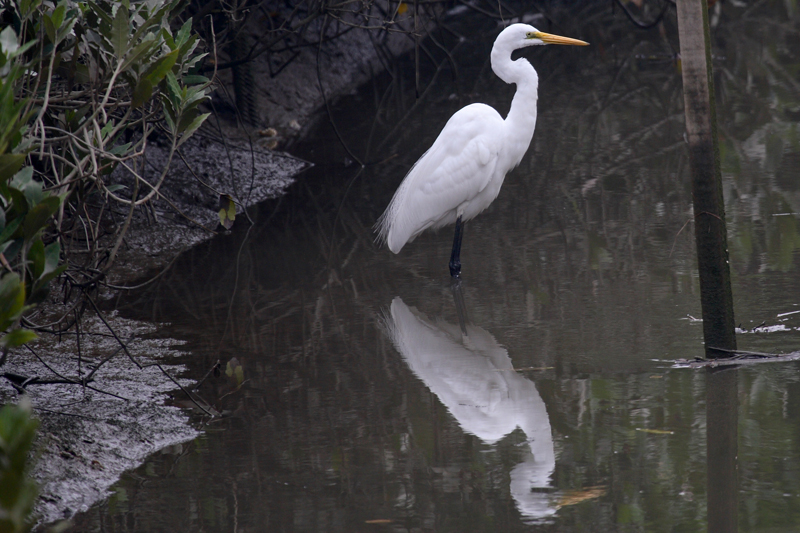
column 521, row 119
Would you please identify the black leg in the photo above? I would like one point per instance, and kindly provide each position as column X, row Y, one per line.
column 455, row 256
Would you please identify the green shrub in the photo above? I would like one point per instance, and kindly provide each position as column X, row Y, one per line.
column 82, row 87
column 17, row 491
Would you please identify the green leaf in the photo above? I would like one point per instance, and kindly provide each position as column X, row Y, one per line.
column 195, row 79
column 19, row 204
column 13, row 249
column 167, row 36
column 47, row 277
column 49, row 28
column 119, row 32
column 142, row 93
column 189, row 46
column 148, row 46
column 24, row 48
column 17, row 338
column 35, row 258
column 196, row 123
column 9, row 230
column 100, row 12
column 184, row 33
column 169, row 120
column 39, row 215
column 30, row 188
column 107, row 128
column 153, row 19
column 120, row 149
column 52, row 255
column 58, row 15
column 51, row 269
column 9, row 165
column 12, row 300
column 65, row 29
column 4, row 246
column 160, row 68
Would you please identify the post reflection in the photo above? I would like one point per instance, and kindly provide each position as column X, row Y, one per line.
column 473, row 376
column 722, row 414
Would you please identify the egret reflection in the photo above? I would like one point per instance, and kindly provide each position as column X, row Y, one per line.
column 472, row 375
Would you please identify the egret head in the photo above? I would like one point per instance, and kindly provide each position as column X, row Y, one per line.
column 521, row 35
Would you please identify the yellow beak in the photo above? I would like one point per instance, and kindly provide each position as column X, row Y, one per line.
column 549, row 38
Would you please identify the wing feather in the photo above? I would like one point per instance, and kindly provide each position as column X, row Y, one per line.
column 456, row 168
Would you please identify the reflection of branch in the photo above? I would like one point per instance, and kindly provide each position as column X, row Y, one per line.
column 400, row 123
column 628, row 162
column 325, row 98
column 767, row 58
column 149, row 281
column 677, row 235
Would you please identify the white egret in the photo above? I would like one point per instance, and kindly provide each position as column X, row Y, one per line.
column 461, row 174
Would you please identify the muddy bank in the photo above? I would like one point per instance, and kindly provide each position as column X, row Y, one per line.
column 90, row 434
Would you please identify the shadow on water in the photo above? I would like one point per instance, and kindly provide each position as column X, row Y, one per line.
column 354, row 401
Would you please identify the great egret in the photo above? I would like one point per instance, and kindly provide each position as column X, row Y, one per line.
column 461, row 174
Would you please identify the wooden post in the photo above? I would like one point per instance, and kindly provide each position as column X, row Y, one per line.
column 711, row 237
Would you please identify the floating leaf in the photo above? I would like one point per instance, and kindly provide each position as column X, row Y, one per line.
column 235, row 370
column 573, row 497
column 227, row 211
column 656, row 431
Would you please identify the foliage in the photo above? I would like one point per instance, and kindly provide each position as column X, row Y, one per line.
column 17, row 491
column 83, row 85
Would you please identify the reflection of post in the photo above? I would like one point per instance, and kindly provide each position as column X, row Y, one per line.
column 722, row 415
column 709, row 211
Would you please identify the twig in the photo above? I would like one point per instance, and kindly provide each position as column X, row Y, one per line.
column 114, row 333
column 215, row 366
column 188, row 394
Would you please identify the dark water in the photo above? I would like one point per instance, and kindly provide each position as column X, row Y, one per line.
column 354, row 402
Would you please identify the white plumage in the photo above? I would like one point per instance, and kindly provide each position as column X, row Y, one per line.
column 461, row 174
